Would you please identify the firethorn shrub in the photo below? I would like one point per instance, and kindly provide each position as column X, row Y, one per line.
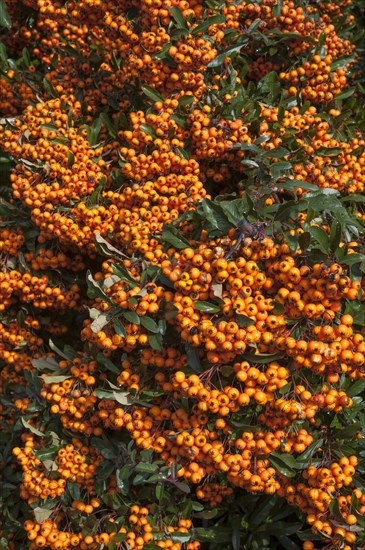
column 182, row 316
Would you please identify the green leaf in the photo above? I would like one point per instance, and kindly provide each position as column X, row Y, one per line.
column 149, row 324
column 164, row 55
column 277, row 152
column 5, row 20
column 45, row 364
column 47, row 452
column 202, row 27
column 287, row 458
column 328, row 151
column 107, row 363
column 55, row 379
column 255, row 25
column 236, row 538
column 308, row 535
column 335, row 235
column 59, row 352
column 49, row 127
column 104, row 447
column 178, row 17
column 181, row 537
column 286, row 389
column 206, row 307
column 70, row 159
column 131, row 317
column 95, row 195
column 104, row 394
column 106, row 248
column 321, row 237
column 357, row 310
column 349, row 431
column 186, row 100
column 121, row 476
column 244, row 321
column 334, row 508
column 109, row 125
column 281, row 467
column 121, row 397
column 270, row 85
column 279, row 308
column 234, row 210
column 220, row 59
column 181, row 485
column 279, row 168
column 145, row 468
column 304, row 240
column 216, row 216
column 31, row 428
column 353, row 259
column 180, row 120
column 104, row 471
column 94, row 131
column 310, row 451
column 123, row 273
column 148, row 130
column 320, row 46
column 356, row 388
column 155, row 341
column 206, row 514
column 94, row 289
column 152, row 93
column 119, row 537
column 119, row 328
column 213, row 534
column 289, row 210
column 193, row 358
column 353, row 197
column 250, row 163
column 342, row 62
column 183, row 153
column 41, row 514
column 258, row 516
column 262, row 358
column 346, row 94
column 74, row 490
column 172, row 236
column 159, row 491
column 282, row 527
column 276, row 10
column 291, row 185
column 262, row 139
